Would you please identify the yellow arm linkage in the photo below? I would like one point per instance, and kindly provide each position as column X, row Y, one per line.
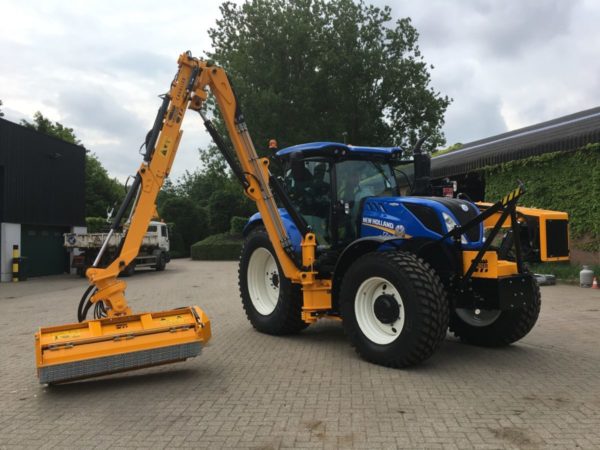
column 189, row 91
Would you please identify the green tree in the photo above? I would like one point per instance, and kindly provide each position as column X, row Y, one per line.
column 1, row 113
column 101, row 191
column 56, row 129
column 327, row 70
column 216, row 193
column 190, row 222
column 223, row 204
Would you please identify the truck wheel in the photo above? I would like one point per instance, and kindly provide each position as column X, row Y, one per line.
column 129, row 270
column 272, row 303
column 161, row 262
column 495, row 328
column 394, row 308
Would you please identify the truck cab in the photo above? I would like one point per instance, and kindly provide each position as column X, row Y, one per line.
column 158, row 234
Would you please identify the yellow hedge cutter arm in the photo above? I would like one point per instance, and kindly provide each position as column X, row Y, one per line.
column 117, row 340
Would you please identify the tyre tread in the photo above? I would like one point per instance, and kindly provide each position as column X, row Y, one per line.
column 288, row 319
column 434, row 310
column 510, row 327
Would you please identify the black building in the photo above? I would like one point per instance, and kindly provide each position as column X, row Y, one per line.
column 42, row 196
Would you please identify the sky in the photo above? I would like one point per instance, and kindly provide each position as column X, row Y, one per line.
column 99, row 66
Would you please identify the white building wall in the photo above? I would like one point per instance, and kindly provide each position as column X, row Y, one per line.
column 10, row 234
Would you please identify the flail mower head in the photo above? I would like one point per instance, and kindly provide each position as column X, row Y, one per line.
column 116, row 344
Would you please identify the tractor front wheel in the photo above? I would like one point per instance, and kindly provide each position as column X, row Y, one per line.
column 394, row 308
column 272, row 303
column 495, row 328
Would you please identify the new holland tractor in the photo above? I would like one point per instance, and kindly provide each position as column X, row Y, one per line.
column 333, row 239
column 397, row 270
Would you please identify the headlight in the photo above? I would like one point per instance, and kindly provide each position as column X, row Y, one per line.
column 451, row 225
column 450, row 222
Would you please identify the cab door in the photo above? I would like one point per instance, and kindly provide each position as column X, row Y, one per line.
column 308, row 184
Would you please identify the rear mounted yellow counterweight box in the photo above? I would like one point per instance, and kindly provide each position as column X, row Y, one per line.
column 114, row 344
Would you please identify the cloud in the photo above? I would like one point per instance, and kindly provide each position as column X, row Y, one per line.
column 512, row 29
column 484, row 115
column 98, row 66
column 94, row 107
column 508, row 64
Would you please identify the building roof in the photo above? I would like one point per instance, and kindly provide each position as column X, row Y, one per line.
column 561, row 134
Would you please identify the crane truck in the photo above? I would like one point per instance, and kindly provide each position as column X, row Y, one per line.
column 331, row 239
column 154, row 250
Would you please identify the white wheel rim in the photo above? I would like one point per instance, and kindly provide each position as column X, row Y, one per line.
column 478, row 317
column 263, row 281
column 364, row 309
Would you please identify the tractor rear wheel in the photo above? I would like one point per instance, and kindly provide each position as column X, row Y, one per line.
column 495, row 328
column 394, row 308
column 272, row 303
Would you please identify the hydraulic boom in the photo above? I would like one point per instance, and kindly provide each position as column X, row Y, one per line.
column 117, row 340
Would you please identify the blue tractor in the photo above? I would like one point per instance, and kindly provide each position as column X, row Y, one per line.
column 399, row 270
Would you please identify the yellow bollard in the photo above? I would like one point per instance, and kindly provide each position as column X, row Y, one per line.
column 15, row 263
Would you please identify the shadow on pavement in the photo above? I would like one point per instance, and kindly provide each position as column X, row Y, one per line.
column 124, row 381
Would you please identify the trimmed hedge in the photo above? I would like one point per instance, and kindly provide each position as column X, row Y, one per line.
column 218, row 247
column 560, row 181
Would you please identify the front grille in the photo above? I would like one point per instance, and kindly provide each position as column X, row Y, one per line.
column 427, row 216
column 557, row 238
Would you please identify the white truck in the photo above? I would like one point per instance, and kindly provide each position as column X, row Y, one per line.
column 154, row 252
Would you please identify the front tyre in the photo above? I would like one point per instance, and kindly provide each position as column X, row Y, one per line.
column 496, row 328
column 272, row 303
column 161, row 262
column 394, row 308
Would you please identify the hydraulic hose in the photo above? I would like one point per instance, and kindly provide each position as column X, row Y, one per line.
column 85, row 304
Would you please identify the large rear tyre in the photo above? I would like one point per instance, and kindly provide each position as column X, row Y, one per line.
column 496, row 328
column 394, row 308
column 272, row 303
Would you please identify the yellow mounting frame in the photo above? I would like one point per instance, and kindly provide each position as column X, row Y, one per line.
column 542, row 215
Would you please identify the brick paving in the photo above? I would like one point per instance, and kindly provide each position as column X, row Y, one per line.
column 249, row 390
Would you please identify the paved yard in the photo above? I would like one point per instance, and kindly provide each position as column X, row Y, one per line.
column 249, row 390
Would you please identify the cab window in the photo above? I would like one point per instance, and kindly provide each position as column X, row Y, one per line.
column 359, row 179
column 355, row 181
column 308, row 183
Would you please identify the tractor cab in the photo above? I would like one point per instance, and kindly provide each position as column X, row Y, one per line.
column 329, row 183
